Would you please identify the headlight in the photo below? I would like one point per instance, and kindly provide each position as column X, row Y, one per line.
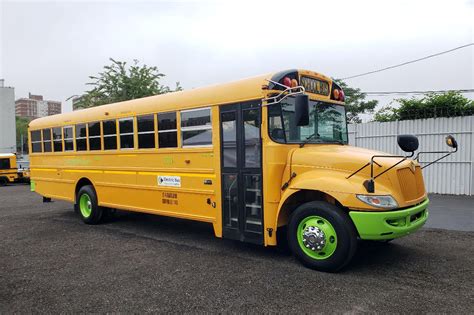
column 385, row 201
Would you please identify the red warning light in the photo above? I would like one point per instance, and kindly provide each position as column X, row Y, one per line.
column 287, row 81
column 342, row 96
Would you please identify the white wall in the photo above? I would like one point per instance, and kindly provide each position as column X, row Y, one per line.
column 7, row 120
column 453, row 175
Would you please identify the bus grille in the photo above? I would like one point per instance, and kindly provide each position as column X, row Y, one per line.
column 411, row 183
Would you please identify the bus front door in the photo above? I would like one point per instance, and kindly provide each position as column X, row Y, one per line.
column 241, row 163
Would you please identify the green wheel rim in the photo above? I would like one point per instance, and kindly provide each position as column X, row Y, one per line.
column 318, row 224
column 85, row 205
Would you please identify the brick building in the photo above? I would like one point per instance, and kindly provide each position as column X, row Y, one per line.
column 35, row 106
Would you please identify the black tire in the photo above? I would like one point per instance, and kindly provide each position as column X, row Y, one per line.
column 3, row 181
column 96, row 213
column 345, row 232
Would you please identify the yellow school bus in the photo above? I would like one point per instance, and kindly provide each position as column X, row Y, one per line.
column 257, row 158
column 8, row 169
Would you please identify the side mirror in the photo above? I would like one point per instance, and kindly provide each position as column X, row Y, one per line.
column 408, row 143
column 450, row 141
column 302, row 110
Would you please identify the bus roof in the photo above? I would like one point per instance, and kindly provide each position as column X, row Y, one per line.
column 241, row 90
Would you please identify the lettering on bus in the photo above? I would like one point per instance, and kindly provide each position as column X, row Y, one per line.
column 315, row 86
column 169, row 198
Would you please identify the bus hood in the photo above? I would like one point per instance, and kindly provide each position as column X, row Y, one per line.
column 326, row 167
column 344, row 158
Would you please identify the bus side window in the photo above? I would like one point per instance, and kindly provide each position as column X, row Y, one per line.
column 4, row 164
column 110, row 134
column 57, row 140
column 94, row 136
column 36, row 141
column 81, row 141
column 196, row 127
column 68, row 139
column 167, row 131
column 146, row 131
column 126, row 133
column 47, row 140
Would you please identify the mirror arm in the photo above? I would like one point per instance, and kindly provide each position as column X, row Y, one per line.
column 360, row 169
column 447, row 153
column 435, row 152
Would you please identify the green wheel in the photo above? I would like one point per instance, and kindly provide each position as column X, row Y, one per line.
column 322, row 236
column 317, row 237
column 87, row 205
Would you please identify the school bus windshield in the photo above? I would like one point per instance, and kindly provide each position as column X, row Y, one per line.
column 327, row 123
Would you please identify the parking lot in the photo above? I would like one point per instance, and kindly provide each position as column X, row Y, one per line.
column 51, row 262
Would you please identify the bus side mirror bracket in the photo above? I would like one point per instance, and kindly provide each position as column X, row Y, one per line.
column 450, row 142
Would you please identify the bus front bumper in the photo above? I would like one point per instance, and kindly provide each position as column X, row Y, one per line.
column 389, row 224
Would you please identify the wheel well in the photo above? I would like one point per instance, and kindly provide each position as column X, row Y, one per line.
column 82, row 182
column 300, row 197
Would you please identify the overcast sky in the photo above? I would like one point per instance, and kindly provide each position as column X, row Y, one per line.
column 51, row 47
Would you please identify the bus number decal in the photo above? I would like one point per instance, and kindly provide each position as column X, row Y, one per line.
column 170, row 181
column 169, row 198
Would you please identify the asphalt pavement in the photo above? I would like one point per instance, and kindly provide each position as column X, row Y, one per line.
column 51, row 262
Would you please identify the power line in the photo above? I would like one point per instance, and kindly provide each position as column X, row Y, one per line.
column 408, row 62
column 419, row 92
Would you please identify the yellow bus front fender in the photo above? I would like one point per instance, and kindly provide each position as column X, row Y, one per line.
column 332, row 186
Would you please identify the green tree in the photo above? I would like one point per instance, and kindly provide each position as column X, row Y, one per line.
column 21, row 130
column 449, row 104
column 119, row 82
column 386, row 113
column 356, row 103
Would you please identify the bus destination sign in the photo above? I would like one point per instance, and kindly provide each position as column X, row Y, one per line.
column 315, row 86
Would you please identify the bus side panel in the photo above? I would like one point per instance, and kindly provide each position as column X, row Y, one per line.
column 173, row 183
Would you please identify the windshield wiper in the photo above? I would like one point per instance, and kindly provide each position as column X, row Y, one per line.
column 316, row 134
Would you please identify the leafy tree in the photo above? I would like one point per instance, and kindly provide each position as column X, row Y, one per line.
column 119, row 82
column 356, row 103
column 449, row 104
column 22, row 129
column 386, row 113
